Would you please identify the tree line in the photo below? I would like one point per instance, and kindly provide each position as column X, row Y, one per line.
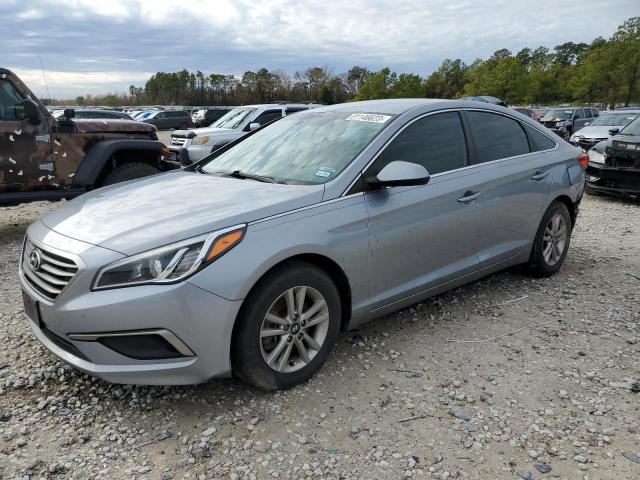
column 605, row 72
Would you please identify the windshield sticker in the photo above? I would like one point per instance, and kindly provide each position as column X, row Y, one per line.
column 369, row 117
column 325, row 172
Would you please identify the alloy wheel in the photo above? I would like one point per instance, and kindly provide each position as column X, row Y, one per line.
column 294, row 329
column 554, row 241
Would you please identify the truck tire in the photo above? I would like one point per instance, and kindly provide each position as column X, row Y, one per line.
column 129, row 171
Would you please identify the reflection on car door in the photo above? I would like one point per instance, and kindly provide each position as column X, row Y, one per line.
column 515, row 180
column 421, row 237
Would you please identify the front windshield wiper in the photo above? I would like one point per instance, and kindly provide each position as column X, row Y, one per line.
column 246, row 175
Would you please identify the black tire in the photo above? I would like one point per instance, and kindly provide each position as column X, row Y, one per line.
column 538, row 264
column 247, row 360
column 129, row 171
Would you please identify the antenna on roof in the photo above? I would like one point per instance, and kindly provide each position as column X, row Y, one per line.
column 44, row 77
column 46, row 87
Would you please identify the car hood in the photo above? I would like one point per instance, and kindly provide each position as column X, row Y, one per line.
column 598, row 131
column 139, row 215
column 194, row 132
column 85, row 125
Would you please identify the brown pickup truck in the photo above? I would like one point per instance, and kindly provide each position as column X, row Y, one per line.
column 42, row 158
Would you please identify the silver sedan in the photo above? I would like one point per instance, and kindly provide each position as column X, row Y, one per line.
column 253, row 260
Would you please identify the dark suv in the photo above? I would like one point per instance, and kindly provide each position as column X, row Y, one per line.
column 566, row 120
column 167, row 119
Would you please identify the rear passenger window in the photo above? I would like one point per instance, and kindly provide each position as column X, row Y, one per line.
column 496, row 136
column 437, row 142
column 538, row 140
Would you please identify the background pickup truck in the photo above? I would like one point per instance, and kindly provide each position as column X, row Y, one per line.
column 42, row 158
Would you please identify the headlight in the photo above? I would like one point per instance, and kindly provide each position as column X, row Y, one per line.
column 169, row 264
column 560, row 124
column 595, row 156
column 200, row 140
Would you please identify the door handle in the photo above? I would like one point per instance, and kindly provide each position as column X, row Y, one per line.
column 541, row 175
column 469, row 197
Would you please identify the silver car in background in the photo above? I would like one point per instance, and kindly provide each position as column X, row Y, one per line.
column 601, row 128
column 314, row 224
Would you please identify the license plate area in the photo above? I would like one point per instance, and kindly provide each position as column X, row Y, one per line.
column 31, row 308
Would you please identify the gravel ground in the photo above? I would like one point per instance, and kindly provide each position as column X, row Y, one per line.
column 509, row 377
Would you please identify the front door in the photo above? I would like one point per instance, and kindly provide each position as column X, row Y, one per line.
column 422, row 237
column 25, row 149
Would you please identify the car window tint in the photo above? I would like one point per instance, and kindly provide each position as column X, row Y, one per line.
column 496, row 136
column 538, row 140
column 266, row 117
column 436, row 142
column 579, row 113
column 9, row 98
column 291, row 110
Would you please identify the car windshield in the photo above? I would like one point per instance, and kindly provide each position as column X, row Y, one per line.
column 558, row 113
column 233, row 118
column 613, row 119
column 633, row 128
column 307, row 148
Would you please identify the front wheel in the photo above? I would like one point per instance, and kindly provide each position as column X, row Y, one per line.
column 552, row 241
column 286, row 328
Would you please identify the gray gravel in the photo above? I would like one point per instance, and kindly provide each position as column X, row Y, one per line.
column 510, row 377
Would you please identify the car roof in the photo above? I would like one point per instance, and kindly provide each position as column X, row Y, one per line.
column 631, row 110
column 394, row 106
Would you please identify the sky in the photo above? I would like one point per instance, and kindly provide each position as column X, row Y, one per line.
column 90, row 46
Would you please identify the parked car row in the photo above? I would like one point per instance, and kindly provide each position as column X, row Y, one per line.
column 189, row 146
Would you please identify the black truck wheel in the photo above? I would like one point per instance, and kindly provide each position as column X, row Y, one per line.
column 129, row 171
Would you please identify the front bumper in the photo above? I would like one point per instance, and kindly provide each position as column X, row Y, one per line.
column 200, row 320
column 586, row 143
column 617, row 181
column 191, row 154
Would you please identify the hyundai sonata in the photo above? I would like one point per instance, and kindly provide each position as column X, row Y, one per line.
column 253, row 260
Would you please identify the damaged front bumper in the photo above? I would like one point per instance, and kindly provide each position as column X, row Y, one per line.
column 613, row 180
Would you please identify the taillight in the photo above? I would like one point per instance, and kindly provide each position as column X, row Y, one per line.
column 583, row 160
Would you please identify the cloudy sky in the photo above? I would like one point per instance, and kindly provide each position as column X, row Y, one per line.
column 90, row 46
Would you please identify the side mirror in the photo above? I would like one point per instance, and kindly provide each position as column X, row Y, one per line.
column 613, row 131
column 399, row 174
column 28, row 110
column 69, row 113
column 253, row 126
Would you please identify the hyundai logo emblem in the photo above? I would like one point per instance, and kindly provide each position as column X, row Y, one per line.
column 35, row 260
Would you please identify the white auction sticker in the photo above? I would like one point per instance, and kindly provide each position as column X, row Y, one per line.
column 369, row 117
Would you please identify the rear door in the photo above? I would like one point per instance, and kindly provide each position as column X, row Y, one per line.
column 423, row 236
column 25, row 149
column 515, row 178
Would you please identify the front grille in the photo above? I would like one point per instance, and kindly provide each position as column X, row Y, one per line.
column 587, row 143
column 178, row 142
column 46, row 272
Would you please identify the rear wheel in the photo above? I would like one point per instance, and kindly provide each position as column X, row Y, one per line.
column 287, row 327
column 129, row 171
column 552, row 241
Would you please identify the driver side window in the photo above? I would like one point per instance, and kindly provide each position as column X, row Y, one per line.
column 9, row 98
column 268, row 116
